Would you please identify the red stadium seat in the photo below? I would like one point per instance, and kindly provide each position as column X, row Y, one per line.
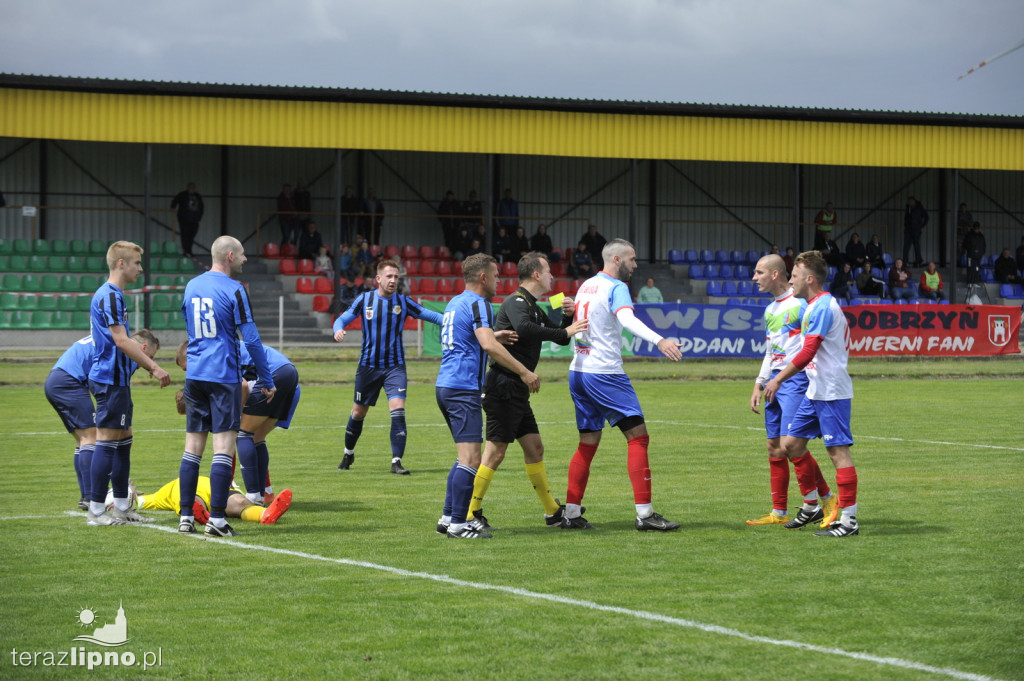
column 562, row 286
column 304, row 285
column 289, row 251
column 287, row 267
column 444, row 287
column 510, row 286
column 376, row 250
column 443, row 253
column 412, row 286
column 427, row 253
column 321, row 303
column 428, row 287
column 323, row 285
column 576, row 285
column 271, row 251
column 460, row 286
column 412, row 267
column 457, row 268
column 359, row 282
column 305, row 266
column 444, row 268
column 509, row 269
column 427, row 268
column 409, row 252
column 391, row 252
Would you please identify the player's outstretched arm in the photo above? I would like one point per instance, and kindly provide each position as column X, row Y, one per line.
column 135, row 353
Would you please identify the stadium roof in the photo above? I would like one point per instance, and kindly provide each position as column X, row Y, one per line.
column 53, row 107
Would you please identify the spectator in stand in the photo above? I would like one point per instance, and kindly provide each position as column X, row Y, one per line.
column 775, row 250
column 856, row 253
column 323, row 265
column 520, row 245
column 964, row 220
column 365, row 260
column 502, row 248
column 474, row 247
column 832, row 255
column 374, row 219
column 190, row 211
column 286, row 216
column 899, row 281
column 841, row 284
column 449, row 212
column 350, row 205
column 473, row 211
column 930, row 285
column 310, row 242
column 508, row 212
column 303, row 202
column 914, row 220
column 480, row 234
column 595, row 245
column 582, row 265
column 974, row 247
column 824, row 222
column 649, row 293
column 346, row 297
column 875, row 252
column 870, row 285
column 1020, row 256
column 1006, row 268
column 346, row 269
column 541, row 243
column 788, row 258
column 461, row 244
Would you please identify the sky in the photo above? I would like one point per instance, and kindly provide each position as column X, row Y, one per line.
column 882, row 55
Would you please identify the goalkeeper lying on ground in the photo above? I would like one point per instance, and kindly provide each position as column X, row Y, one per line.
column 167, row 498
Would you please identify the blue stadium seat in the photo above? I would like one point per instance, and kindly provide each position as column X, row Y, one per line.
column 741, row 272
column 734, row 301
column 696, row 271
column 714, row 288
column 675, row 257
column 738, row 258
column 831, row 273
column 711, row 270
column 721, row 256
column 707, row 256
column 691, row 257
column 725, row 271
column 753, row 257
column 988, row 275
column 888, row 259
column 729, row 288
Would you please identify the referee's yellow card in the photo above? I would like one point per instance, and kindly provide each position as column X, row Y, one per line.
column 556, row 300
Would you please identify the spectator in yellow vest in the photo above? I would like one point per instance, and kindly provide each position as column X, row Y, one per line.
column 931, row 284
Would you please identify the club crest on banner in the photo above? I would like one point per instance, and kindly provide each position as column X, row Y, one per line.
column 999, row 329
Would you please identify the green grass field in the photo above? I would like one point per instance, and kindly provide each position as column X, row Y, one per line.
column 353, row 583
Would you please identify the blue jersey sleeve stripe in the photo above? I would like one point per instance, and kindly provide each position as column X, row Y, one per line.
column 244, row 314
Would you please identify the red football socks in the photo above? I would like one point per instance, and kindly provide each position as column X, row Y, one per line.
column 639, row 468
column 579, row 473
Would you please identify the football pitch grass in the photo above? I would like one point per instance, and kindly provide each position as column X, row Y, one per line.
column 354, row 583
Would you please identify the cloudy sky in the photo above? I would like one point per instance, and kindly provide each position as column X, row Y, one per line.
column 902, row 55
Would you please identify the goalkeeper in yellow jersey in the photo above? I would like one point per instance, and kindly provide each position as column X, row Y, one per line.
column 167, row 498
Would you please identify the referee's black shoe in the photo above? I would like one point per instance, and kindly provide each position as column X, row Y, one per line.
column 556, row 517
column 346, row 462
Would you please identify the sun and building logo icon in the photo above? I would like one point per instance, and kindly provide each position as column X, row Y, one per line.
column 110, row 635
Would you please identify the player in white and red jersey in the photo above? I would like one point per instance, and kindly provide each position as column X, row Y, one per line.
column 601, row 391
column 782, row 320
column 825, row 411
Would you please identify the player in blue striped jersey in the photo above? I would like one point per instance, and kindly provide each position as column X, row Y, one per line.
column 110, row 383
column 382, row 361
column 216, row 309
column 467, row 338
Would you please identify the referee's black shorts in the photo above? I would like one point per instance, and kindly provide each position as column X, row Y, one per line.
column 507, row 405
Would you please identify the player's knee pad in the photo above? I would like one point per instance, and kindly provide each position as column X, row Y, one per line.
column 629, row 423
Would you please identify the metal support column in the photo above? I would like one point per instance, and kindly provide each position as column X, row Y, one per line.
column 652, row 210
column 224, row 171
column 954, row 206
column 632, row 204
column 489, row 205
column 797, row 237
column 44, row 187
column 147, row 174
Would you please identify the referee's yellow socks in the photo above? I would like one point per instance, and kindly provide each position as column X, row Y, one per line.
column 481, row 482
column 539, row 478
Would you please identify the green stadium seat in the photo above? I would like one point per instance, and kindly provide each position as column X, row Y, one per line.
column 83, row 303
column 182, row 280
column 5, row 319
column 21, row 246
column 50, row 282
column 185, row 265
column 11, row 282
column 67, row 303
column 3, row 262
column 175, row 321
column 60, row 320
column 41, row 247
column 36, row 263
column 88, row 283
column 170, row 248
column 163, row 280
column 137, row 284
column 96, row 265
column 17, row 263
column 79, row 248
column 48, row 302
column 5, row 247
column 162, row 302
column 80, row 320
column 8, row 301
column 74, row 263
column 40, row 319
column 28, row 303
column 20, row 319
column 59, row 247
column 97, row 247
column 30, row 282
column 69, row 282
column 55, row 263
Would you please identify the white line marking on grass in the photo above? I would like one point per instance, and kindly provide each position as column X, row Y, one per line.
column 589, row 605
column 34, row 517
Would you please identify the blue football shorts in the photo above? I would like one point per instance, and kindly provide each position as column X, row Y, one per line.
column 778, row 413
column 829, row 420
column 602, row 397
column 286, row 380
column 369, row 381
column 113, row 405
column 71, row 400
column 462, row 412
column 212, row 407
